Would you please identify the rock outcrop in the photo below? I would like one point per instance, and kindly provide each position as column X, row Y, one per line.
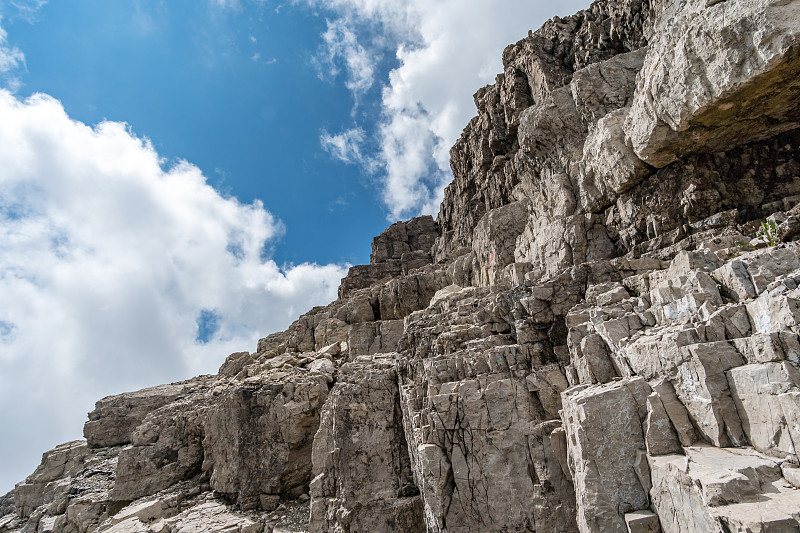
column 599, row 333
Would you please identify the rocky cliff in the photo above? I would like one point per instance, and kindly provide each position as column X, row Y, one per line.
column 599, row 333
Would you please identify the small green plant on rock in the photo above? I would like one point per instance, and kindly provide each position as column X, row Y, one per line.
column 769, row 233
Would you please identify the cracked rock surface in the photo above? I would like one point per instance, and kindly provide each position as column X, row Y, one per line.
column 594, row 335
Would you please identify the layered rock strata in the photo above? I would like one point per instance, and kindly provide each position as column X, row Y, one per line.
column 599, row 333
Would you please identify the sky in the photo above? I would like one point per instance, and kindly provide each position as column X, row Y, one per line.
column 179, row 178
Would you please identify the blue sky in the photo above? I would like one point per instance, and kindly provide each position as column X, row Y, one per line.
column 235, row 91
column 179, row 178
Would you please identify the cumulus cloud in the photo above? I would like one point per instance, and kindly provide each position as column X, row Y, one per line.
column 119, row 271
column 446, row 50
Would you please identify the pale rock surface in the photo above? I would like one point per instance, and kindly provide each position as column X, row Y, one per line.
column 115, row 417
column 258, row 438
column 713, row 489
column 604, row 431
column 165, row 448
column 642, row 522
column 710, row 89
column 591, row 336
column 50, row 480
column 362, row 479
column 757, row 391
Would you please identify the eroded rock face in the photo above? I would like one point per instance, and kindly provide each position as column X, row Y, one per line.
column 604, row 430
column 258, row 438
column 362, row 477
column 114, row 418
column 165, row 448
column 593, row 336
column 402, row 247
column 480, row 442
column 50, row 481
column 709, row 489
column 716, row 76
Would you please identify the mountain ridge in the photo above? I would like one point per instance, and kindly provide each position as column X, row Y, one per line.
column 599, row 332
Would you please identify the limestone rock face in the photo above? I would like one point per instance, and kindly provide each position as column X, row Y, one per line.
column 717, row 489
column 599, row 333
column 716, row 75
column 165, row 448
column 258, row 438
column 603, row 426
column 401, row 238
column 480, row 410
column 362, row 479
column 115, row 417
column 7, row 504
column 403, row 247
column 50, row 480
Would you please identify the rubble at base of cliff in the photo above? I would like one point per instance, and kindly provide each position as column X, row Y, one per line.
column 600, row 332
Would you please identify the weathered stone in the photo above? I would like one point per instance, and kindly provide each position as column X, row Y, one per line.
column 359, row 309
column 143, row 512
column 494, row 239
column 756, row 389
column 600, row 231
column 710, row 89
column 610, row 160
column 362, row 473
column 676, row 411
column 774, row 311
column 642, row 522
column 115, row 417
column 734, row 276
column 660, row 437
column 258, row 437
column 403, row 296
column 374, row 337
column 659, row 353
column 234, row 363
column 483, row 432
column 604, row 87
column 417, row 234
column 728, row 322
column 604, row 435
column 323, row 366
column 548, row 382
column 363, row 276
column 769, row 265
column 50, row 480
column 165, row 448
column 211, row 516
column 7, row 507
column 593, row 362
column 712, row 489
column 701, row 385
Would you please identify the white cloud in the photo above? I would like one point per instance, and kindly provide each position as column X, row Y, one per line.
column 227, row 4
column 446, row 51
column 108, row 263
column 342, row 49
column 11, row 59
column 345, row 146
column 27, row 9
